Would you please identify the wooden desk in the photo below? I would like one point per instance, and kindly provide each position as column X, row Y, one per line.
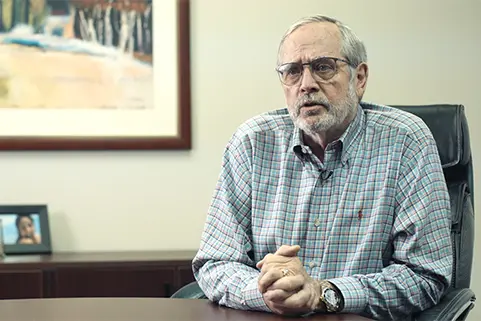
column 101, row 274
column 138, row 309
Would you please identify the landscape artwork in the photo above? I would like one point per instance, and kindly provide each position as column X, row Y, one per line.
column 76, row 54
column 94, row 74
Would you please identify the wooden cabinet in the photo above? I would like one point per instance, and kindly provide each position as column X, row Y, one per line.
column 21, row 284
column 118, row 274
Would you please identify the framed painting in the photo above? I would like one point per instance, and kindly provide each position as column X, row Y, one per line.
column 95, row 75
column 25, row 229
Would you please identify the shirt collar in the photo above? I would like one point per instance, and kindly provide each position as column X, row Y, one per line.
column 346, row 139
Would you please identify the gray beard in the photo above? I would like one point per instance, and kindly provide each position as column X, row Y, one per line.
column 335, row 114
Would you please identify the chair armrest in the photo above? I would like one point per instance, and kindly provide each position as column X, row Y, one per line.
column 189, row 291
column 454, row 304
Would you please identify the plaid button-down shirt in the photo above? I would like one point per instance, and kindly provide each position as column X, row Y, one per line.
column 373, row 218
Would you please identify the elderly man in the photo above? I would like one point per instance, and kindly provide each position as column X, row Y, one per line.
column 331, row 205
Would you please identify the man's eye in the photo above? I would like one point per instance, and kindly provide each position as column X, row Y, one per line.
column 323, row 67
column 292, row 70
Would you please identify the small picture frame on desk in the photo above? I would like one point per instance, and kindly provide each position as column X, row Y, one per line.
column 25, row 229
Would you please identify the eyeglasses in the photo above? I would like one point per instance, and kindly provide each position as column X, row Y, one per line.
column 322, row 68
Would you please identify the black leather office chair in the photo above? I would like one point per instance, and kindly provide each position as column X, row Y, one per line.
column 450, row 129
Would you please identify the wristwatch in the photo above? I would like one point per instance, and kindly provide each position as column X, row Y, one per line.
column 330, row 297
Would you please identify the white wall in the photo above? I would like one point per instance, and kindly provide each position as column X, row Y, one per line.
column 419, row 52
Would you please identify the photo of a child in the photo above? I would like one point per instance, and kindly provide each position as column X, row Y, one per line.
column 26, row 230
column 21, row 229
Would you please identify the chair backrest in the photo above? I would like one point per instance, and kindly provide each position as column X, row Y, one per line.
column 449, row 127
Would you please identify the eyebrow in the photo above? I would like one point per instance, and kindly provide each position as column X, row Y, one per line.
column 300, row 60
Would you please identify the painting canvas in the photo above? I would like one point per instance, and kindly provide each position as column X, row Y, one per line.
column 94, row 74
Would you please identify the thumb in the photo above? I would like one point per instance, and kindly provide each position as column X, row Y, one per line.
column 288, row 250
column 284, row 250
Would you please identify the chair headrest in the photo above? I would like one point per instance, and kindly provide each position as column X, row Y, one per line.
column 449, row 126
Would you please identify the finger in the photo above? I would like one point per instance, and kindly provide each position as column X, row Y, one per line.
column 284, row 250
column 264, row 267
column 274, row 308
column 261, row 262
column 298, row 300
column 267, row 279
column 280, row 294
column 277, row 295
column 288, row 283
column 281, row 309
column 288, row 250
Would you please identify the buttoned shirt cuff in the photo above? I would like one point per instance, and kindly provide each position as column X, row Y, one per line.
column 252, row 298
column 355, row 297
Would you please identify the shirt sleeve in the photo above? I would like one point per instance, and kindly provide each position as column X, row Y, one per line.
column 224, row 266
column 420, row 270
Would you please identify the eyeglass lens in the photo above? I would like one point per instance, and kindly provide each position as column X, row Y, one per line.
column 322, row 68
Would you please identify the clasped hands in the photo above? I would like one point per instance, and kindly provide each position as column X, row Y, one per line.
column 285, row 285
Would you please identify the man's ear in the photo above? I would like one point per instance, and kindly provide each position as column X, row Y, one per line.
column 362, row 73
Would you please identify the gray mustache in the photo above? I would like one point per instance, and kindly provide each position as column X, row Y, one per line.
column 309, row 101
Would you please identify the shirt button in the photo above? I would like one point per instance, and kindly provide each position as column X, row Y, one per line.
column 312, row 264
column 317, row 222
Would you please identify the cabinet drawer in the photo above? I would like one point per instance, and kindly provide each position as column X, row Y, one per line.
column 20, row 284
column 114, row 282
column 186, row 275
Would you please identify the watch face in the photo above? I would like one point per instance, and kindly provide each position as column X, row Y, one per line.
column 331, row 297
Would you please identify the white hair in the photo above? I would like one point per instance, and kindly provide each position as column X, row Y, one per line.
column 352, row 48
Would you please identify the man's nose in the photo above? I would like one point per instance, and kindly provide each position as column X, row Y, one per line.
column 308, row 83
